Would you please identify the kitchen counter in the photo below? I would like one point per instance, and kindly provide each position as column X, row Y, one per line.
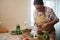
column 8, row 36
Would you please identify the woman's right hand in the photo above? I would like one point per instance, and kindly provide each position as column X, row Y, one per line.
column 45, row 25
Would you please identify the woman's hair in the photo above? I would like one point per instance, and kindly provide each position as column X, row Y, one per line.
column 38, row 2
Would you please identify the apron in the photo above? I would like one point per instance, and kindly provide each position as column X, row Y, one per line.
column 40, row 20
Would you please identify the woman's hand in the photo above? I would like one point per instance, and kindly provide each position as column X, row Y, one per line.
column 45, row 25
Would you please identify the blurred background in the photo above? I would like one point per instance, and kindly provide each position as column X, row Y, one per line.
column 13, row 12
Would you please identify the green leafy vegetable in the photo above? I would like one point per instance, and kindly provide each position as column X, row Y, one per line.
column 31, row 35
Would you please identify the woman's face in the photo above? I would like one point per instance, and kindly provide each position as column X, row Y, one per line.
column 39, row 7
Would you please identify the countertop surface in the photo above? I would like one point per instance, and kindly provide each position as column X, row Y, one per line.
column 8, row 36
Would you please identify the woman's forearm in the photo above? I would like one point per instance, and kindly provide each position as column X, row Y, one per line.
column 53, row 22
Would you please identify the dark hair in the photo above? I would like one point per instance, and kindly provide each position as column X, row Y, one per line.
column 38, row 2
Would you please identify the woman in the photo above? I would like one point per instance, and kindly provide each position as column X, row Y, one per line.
column 44, row 19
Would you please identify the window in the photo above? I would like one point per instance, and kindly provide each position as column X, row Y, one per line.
column 32, row 10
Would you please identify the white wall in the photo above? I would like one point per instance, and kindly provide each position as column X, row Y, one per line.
column 14, row 12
